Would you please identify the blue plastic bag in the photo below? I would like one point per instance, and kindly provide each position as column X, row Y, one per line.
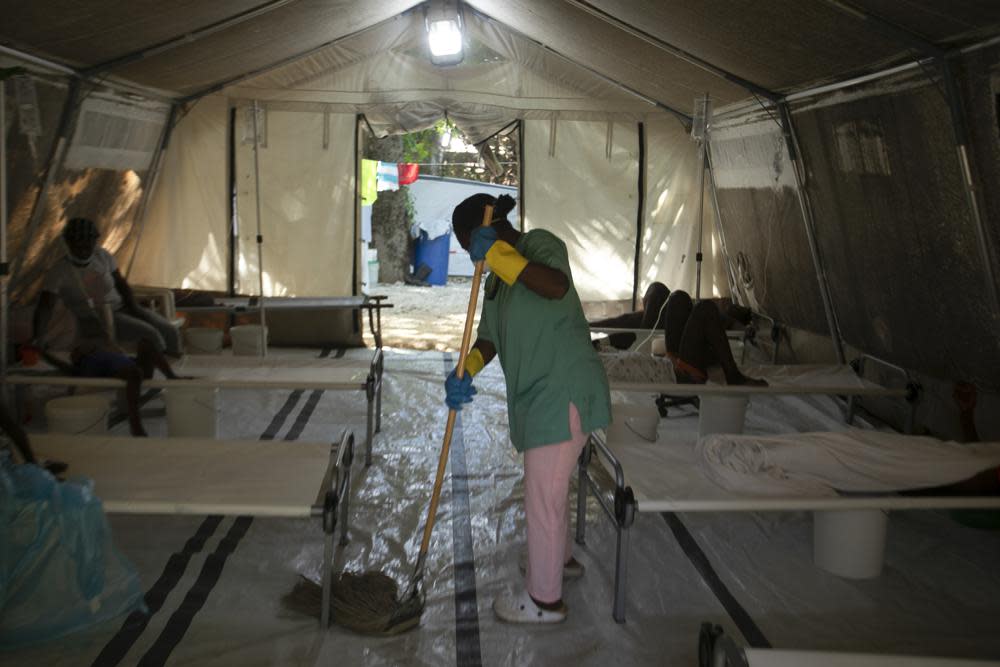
column 59, row 571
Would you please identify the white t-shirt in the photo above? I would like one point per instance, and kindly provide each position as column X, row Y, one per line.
column 76, row 284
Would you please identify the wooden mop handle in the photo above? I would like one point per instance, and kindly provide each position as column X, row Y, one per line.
column 470, row 316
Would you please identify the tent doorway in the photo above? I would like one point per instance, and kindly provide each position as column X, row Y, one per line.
column 408, row 231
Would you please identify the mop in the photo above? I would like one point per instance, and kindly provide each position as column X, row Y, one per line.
column 369, row 603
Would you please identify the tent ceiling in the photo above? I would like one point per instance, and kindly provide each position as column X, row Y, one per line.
column 779, row 44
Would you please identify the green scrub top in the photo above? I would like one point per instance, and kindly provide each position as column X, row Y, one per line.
column 545, row 350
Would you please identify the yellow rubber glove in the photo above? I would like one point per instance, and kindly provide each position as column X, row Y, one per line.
column 474, row 362
column 505, row 261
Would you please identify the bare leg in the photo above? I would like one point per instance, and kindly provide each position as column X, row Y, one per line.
column 133, row 383
column 675, row 317
column 704, row 343
column 149, row 358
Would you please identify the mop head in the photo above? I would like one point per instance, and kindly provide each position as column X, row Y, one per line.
column 367, row 603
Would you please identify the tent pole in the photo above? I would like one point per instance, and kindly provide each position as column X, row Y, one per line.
column 958, row 124
column 640, row 215
column 810, row 224
column 360, row 259
column 225, row 83
column 969, row 182
column 520, row 174
column 733, row 284
column 606, row 79
column 260, row 238
column 153, row 177
column 675, row 51
column 56, row 158
column 4, row 276
column 702, row 148
column 186, row 38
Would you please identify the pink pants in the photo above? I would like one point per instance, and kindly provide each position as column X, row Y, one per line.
column 547, row 470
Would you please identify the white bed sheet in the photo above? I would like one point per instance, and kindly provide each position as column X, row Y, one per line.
column 667, row 476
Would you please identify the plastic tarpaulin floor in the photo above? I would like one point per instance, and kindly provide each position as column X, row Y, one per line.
column 214, row 584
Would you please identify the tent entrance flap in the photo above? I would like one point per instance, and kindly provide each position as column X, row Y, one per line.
column 306, row 178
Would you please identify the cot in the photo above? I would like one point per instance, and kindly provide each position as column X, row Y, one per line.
column 665, row 476
column 272, row 372
column 169, row 476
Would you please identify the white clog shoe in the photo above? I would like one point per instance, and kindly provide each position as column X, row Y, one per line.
column 520, row 608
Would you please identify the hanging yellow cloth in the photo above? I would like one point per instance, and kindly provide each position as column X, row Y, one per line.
column 369, row 169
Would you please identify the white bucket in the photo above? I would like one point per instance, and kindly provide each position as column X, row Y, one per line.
column 721, row 414
column 247, row 340
column 629, row 422
column 850, row 543
column 191, row 412
column 659, row 346
column 202, row 340
column 78, row 415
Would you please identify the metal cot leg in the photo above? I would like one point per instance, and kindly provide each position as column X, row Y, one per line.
column 324, row 619
column 621, row 566
column 370, row 428
column 378, row 394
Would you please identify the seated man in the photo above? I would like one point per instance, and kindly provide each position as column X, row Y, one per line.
column 696, row 340
column 99, row 358
column 89, row 283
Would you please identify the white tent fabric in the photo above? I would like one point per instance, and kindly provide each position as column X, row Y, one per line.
column 586, row 198
column 307, row 206
column 384, row 73
column 185, row 241
column 670, row 235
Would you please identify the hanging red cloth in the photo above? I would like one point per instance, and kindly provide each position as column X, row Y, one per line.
column 408, row 172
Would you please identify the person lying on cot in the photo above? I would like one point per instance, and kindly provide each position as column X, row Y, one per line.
column 696, row 340
column 557, row 392
column 88, row 282
column 986, row 482
column 97, row 357
column 19, row 439
column 647, row 317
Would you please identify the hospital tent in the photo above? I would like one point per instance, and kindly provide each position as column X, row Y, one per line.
column 850, row 189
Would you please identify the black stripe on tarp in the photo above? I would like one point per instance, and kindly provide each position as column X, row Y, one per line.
column 195, row 599
column 136, row 623
column 467, row 646
column 279, row 419
column 304, row 415
column 307, row 410
column 755, row 638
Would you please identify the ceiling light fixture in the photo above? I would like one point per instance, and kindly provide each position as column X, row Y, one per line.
column 443, row 21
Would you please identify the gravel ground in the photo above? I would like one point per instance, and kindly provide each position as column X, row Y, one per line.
column 432, row 318
column 426, row 318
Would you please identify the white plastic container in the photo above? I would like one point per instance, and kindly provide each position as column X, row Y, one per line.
column 78, row 415
column 192, row 412
column 202, row 340
column 629, row 422
column 721, row 414
column 247, row 340
column 850, row 543
column 658, row 346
